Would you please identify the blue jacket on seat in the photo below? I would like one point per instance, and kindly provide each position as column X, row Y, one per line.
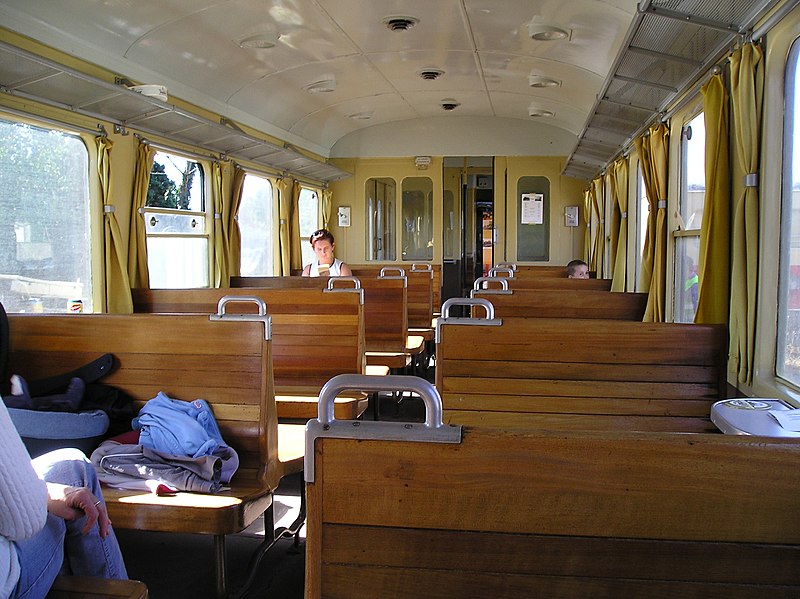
column 182, row 428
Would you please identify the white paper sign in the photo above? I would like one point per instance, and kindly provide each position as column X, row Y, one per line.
column 532, row 208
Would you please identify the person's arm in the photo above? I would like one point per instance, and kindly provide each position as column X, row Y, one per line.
column 22, row 494
column 345, row 270
column 307, row 271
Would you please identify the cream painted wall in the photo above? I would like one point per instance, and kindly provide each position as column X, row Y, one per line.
column 565, row 242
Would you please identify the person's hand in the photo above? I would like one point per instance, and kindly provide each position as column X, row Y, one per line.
column 72, row 502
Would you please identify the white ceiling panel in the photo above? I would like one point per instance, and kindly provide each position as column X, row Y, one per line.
column 483, row 46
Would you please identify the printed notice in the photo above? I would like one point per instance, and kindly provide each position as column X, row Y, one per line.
column 532, row 208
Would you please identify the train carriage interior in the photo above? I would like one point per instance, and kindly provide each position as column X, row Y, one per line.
column 461, row 153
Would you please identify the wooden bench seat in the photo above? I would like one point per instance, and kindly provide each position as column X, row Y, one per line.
column 555, row 303
column 557, row 514
column 316, row 334
column 82, row 587
column 385, row 313
column 227, row 363
column 545, row 283
column 524, row 373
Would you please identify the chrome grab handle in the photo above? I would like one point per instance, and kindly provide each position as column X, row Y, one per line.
column 510, row 265
column 326, row 425
column 479, row 283
column 463, row 301
column 493, row 272
column 332, row 283
column 400, row 272
column 227, row 299
column 262, row 315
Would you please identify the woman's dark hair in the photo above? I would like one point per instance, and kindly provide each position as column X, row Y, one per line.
column 321, row 234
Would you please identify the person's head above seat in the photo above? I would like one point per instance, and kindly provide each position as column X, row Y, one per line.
column 577, row 269
column 323, row 245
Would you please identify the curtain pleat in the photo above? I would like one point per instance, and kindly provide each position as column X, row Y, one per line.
column 296, row 261
column 656, row 299
column 222, row 277
column 646, row 269
column 598, row 203
column 285, row 210
column 613, row 229
column 118, row 290
column 620, row 180
column 587, row 219
column 327, row 202
column 714, row 264
column 231, row 219
column 747, row 92
column 137, row 244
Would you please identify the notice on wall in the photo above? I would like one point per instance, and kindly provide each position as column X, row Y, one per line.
column 532, row 208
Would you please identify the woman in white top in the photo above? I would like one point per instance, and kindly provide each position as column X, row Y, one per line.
column 325, row 265
column 52, row 519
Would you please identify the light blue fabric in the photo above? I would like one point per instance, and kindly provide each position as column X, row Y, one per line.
column 178, row 427
column 59, row 425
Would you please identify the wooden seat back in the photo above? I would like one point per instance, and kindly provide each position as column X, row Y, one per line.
column 419, row 300
column 510, row 514
column 569, row 373
column 554, row 303
column 558, row 283
column 316, row 334
column 226, row 363
column 385, row 306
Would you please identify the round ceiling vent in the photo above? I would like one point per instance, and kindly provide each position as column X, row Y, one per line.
column 430, row 74
column 398, row 23
column 450, row 104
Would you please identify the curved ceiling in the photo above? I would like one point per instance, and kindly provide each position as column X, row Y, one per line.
column 483, row 48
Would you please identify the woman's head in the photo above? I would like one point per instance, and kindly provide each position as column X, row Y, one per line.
column 323, row 245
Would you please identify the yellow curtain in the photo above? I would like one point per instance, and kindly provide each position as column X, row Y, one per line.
column 646, row 273
column 714, row 265
column 118, row 289
column 613, row 230
column 231, row 219
column 222, row 277
column 620, row 181
column 747, row 92
column 598, row 203
column 587, row 219
column 137, row 242
column 656, row 300
column 285, row 211
column 296, row 261
column 327, row 201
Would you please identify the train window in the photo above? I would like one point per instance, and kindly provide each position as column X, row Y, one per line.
column 642, row 215
column 175, row 219
column 381, row 196
column 256, row 221
column 788, row 338
column 45, row 236
column 449, row 233
column 692, row 200
column 417, row 218
column 533, row 224
column 308, row 208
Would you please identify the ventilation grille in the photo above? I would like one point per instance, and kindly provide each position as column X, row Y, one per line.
column 430, row 74
column 400, row 23
column 669, row 48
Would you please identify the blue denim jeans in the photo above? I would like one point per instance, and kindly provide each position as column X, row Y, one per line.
column 60, row 547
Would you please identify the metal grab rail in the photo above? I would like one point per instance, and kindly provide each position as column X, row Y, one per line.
column 445, row 318
column 262, row 315
column 478, row 285
column 325, row 425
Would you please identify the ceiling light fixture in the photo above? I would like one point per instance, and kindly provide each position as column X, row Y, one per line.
column 323, row 86
column 539, row 112
column 260, row 41
column 547, row 33
column 542, row 81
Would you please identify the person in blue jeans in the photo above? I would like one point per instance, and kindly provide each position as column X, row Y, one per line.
column 52, row 519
